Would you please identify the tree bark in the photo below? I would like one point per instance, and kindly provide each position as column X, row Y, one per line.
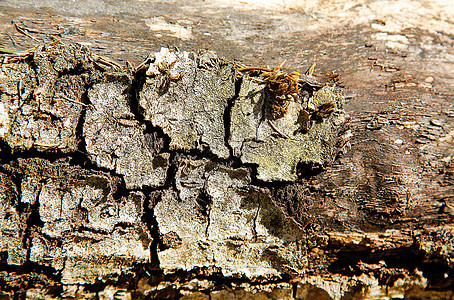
column 174, row 179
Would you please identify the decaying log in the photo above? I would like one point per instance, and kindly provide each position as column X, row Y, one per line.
column 175, row 180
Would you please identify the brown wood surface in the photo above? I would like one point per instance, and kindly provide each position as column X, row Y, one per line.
column 386, row 203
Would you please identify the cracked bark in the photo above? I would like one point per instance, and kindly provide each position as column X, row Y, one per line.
column 193, row 189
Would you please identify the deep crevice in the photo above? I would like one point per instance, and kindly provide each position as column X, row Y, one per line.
column 81, row 156
column 151, row 223
column 227, row 115
column 151, row 132
column 50, row 155
column 5, row 152
column 33, row 222
column 171, row 172
column 409, row 258
column 196, row 154
column 136, row 86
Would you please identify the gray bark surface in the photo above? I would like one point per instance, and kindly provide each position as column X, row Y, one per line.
column 189, row 108
column 88, row 219
column 115, row 140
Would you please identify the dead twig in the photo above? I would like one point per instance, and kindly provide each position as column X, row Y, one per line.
column 129, row 66
column 247, row 69
column 21, row 30
column 63, row 97
column 308, row 221
column 311, row 69
column 277, row 130
column 101, row 60
column 11, row 38
column 13, row 55
column 143, row 64
column 6, row 51
column 309, row 78
column 47, row 31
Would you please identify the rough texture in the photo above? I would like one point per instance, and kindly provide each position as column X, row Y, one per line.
column 116, row 140
column 12, row 226
column 186, row 94
column 85, row 232
column 41, row 102
column 377, row 221
column 215, row 219
column 278, row 146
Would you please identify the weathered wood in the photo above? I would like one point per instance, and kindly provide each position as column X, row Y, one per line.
column 376, row 222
